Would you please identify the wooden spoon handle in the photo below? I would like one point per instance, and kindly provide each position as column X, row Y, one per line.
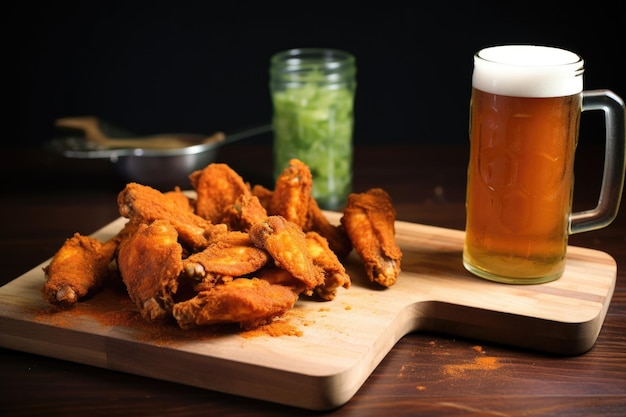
column 88, row 124
column 149, row 142
column 91, row 128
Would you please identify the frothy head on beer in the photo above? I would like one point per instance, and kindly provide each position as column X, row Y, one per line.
column 528, row 71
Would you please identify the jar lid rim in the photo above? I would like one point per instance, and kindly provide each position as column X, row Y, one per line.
column 306, row 56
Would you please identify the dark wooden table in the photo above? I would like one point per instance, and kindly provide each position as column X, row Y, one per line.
column 46, row 198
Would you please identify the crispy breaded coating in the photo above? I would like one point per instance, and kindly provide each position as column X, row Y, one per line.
column 77, row 269
column 337, row 237
column 245, row 211
column 217, row 187
column 293, row 199
column 286, row 244
column 264, row 195
column 292, row 193
column 249, row 302
column 278, row 276
column 335, row 275
column 369, row 220
column 150, row 262
column 231, row 254
column 147, row 204
column 180, row 199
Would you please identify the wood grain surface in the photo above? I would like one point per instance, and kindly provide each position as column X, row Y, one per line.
column 334, row 346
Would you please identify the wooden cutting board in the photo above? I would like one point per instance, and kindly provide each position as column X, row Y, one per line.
column 322, row 351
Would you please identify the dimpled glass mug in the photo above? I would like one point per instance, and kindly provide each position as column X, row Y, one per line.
column 524, row 118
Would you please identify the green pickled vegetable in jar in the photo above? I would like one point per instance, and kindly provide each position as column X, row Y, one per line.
column 313, row 118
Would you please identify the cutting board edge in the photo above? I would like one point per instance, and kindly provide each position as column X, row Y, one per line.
column 319, row 392
column 267, row 383
column 484, row 325
column 326, row 394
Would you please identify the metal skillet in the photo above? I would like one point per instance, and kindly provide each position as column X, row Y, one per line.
column 162, row 161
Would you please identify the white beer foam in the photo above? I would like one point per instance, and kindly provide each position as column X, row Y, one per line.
column 528, row 71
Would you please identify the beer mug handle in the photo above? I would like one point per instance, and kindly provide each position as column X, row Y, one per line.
column 614, row 162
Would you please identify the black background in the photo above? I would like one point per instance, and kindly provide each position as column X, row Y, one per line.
column 160, row 66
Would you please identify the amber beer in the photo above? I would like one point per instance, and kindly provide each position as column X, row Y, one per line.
column 524, row 118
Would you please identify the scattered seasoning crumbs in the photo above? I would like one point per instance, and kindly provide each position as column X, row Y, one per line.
column 480, row 363
column 113, row 308
column 274, row 329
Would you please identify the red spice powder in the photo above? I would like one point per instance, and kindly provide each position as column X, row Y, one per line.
column 485, row 363
column 111, row 307
column 480, row 363
column 274, row 329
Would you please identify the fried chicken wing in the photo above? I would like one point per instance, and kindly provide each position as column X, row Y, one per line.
column 180, row 199
column 217, row 187
column 293, row 199
column 286, row 244
column 278, row 276
column 77, row 269
column 264, row 195
column 324, row 258
column 335, row 275
column 232, row 255
column 245, row 211
column 369, row 220
column 249, row 302
column 149, row 204
column 150, row 262
column 292, row 193
column 337, row 237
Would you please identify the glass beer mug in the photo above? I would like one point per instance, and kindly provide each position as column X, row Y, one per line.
column 524, row 118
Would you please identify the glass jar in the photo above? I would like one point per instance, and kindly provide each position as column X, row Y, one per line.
column 312, row 92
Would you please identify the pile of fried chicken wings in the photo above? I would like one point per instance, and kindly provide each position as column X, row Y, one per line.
column 232, row 253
